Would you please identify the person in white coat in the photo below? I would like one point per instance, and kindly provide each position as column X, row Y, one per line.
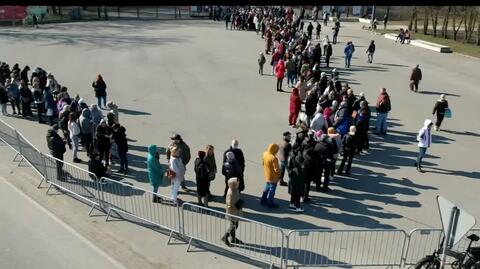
column 176, row 165
column 424, row 139
column 318, row 122
column 74, row 130
column 256, row 22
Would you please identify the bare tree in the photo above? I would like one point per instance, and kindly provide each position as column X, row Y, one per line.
column 426, row 20
column 412, row 17
column 471, row 16
column 415, row 26
column 455, row 30
column 445, row 22
column 478, row 29
column 54, row 10
column 434, row 10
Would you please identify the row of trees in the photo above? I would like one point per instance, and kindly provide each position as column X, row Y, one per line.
column 458, row 16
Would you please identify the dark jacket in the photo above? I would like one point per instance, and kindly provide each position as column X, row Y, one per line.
column 102, row 137
column 184, row 151
column 3, row 95
column 295, row 171
column 416, row 74
column 349, row 143
column 120, row 138
column 341, row 115
column 440, row 107
column 96, row 167
column 55, row 143
column 238, row 157
column 371, row 48
column 311, row 159
column 311, row 104
column 325, row 149
column 201, row 176
column 383, row 103
column 26, row 95
column 329, row 50
column 233, row 169
column 284, row 150
column 100, row 88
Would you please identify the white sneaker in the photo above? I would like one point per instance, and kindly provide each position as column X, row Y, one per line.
column 292, row 206
column 298, row 210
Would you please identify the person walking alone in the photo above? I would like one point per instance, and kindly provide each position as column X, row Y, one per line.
column 440, row 108
column 261, row 62
column 328, row 53
column 383, row 106
column 349, row 49
column 100, row 88
column 415, row 78
column 370, row 51
column 424, row 139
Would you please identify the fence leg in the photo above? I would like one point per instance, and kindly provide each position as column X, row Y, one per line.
column 108, row 214
column 49, row 187
column 169, row 237
column 189, row 244
column 91, row 210
column 15, row 158
column 39, row 185
column 20, row 163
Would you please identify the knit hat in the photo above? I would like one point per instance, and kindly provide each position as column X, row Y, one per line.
column 353, row 129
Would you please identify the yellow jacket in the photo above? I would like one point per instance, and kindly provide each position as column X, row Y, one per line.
column 271, row 167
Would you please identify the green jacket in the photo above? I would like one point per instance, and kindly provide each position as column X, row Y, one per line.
column 155, row 171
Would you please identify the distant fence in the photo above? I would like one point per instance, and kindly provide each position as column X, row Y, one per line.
column 265, row 243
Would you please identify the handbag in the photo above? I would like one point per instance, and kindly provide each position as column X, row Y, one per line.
column 171, row 174
column 448, row 113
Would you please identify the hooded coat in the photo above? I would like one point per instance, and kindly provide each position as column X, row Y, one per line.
column 86, row 122
column 424, row 136
column 296, row 185
column 271, row 167
column 233, row 196
column 280, row 69
column 155, row 171
column 295, row 102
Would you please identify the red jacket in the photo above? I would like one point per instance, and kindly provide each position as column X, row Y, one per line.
column 280, row 69
column 295, row 102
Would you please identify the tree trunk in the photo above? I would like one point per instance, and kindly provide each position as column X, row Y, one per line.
column 54, row 10
column 434, row 13
column 478, row 33
column 445, row 23
column 455, row 29
column 412, row 17
column 60, row 12
column 105, row 12
column 415, row 25
column 426, row 20
column 98, row 12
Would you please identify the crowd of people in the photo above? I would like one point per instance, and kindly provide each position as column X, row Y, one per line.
column 330, row 122
column 101, row 137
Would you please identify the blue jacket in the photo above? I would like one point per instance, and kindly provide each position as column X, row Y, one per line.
column 49, row 102
column 155, row 171
column 349, row 50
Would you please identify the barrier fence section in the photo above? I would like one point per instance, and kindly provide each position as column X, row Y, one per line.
column 258, row 241
column 73, row 179
column 345, row 248
column 124, row 198
column 423, row 242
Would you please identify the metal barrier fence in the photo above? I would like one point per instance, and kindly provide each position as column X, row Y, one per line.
column 345, row 248
column 74, row 180
column 423, row 242
column 258, row 241
column 125, row 198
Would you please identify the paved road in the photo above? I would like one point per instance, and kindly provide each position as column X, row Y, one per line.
column 195, row 78
column 33, row 238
